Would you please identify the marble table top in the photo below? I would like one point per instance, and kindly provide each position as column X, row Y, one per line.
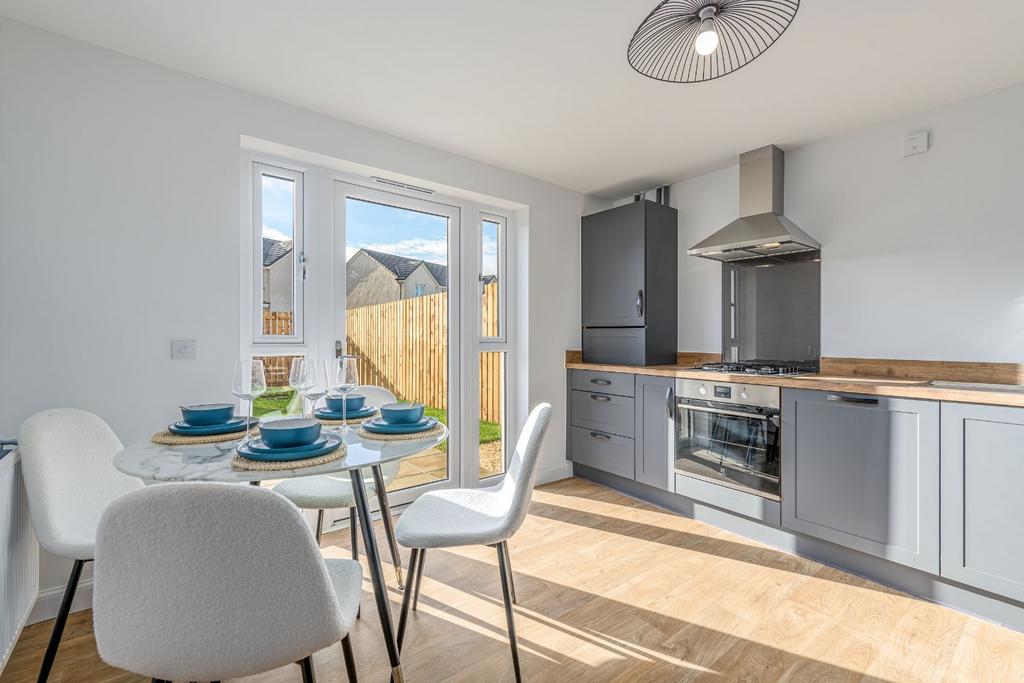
column 212, row 462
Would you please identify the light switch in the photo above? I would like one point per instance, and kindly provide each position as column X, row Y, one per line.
column 915, row 143
column 183, row 349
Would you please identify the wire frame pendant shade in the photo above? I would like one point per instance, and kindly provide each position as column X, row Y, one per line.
column 663, row 47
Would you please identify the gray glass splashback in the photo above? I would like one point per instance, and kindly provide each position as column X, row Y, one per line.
column 771, row 310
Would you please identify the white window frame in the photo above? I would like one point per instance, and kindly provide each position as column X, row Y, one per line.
column 260, row 169
column 502, row 222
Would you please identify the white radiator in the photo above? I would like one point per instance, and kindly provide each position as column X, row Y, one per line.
column 19, row 555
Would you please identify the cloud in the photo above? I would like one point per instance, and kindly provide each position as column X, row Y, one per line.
column 417, row 248
column 350, row 252
column 275, row 234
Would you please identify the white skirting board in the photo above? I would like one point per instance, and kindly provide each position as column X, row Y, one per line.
column 19, row 559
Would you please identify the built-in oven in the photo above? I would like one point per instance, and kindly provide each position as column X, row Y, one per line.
column 728, row 434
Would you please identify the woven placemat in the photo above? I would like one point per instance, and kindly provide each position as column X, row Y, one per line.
column 168, row 438
column 240, row 462
column 436, row 430
column 351, row 420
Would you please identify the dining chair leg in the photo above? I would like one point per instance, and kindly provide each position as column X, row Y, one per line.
column 61, row 620
column 511, row 577
column 418, row 571
column 308, row 673
column 506, row 595
column 350, row 659
column 319, row 526
column 380, row 589
column 414, row 563
column 354, row 531
column 389, row 524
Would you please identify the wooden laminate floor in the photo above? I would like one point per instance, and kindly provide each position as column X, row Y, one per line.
column 611, row 589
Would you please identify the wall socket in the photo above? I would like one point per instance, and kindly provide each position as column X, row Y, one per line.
column 183, row 349
column 915, row 143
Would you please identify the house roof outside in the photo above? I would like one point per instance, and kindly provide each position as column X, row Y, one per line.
column 275, row 250
column 401, row 267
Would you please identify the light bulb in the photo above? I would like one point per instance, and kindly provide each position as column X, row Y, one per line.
column 707, row 38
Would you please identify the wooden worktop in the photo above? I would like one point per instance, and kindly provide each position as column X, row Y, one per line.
column 1002, row 394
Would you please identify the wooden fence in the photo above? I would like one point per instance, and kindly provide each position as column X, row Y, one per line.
column 403, row 346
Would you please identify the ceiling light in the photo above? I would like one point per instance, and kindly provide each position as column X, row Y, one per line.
column 707, row 38
column 689, row 41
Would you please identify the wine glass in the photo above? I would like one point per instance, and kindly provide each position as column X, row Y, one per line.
column 298, row 375
column 343, row 377
column 314, row 384
column 249, row 382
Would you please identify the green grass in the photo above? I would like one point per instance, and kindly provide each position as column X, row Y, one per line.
column 489, row 431
column 276, row 399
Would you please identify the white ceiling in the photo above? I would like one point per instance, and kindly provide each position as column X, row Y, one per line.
column 542, row 86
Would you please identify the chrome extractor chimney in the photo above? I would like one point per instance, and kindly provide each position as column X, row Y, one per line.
column 761, row 230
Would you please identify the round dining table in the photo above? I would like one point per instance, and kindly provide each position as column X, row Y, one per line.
column 212, row 462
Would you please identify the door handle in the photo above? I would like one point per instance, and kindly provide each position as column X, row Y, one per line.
column 599, row 397
column 601, row 437
column 602, row 382
column 668, row 403
column 852, row 399
column 640, row 303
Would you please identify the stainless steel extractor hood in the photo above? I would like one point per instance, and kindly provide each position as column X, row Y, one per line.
column 761, row 230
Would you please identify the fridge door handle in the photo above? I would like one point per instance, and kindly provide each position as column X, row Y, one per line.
column 640, row 303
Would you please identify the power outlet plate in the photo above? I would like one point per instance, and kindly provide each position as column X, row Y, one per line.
column 183, row 349
column 915, row 143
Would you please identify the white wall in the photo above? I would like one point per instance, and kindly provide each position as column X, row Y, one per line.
column 922, row 256
column 119, row 214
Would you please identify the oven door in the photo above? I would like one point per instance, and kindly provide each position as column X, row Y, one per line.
column 731, row 445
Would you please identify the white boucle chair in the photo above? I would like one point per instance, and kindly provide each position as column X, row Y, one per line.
column 205, row 581
column 488, row 516
column 334, row 491
column 67, row 458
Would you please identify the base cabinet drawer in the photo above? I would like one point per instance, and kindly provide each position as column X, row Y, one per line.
column 605, row 382
column 740, row 502
column 982, row 471
column 603, row 412
column 602, row 451
column 862, row 471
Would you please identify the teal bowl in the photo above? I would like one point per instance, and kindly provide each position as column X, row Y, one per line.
column 350, row 403
column 402, row 413
column 290, row 432
column 207, row 414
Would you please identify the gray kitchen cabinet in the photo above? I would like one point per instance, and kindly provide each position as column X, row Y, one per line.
column 655, row 431
column 613, row 253
column 863, row 472
column 603, row 412
column 982, row 470
column 603, row 451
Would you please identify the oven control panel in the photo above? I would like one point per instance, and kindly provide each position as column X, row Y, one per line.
column 726, row 392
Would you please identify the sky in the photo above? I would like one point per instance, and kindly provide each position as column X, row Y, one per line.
column 412, row 234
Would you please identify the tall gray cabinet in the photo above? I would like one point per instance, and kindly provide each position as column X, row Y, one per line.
column 629, row 284
column 982, row 470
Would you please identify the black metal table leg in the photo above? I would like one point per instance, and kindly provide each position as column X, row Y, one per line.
column 389, row 524
column 380, row 589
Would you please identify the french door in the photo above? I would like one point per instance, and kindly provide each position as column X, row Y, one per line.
column 397, row 302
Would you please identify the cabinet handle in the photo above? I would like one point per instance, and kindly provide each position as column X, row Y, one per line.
column 601, row 437
column 640, row 303
column 602, row 382
column 852, row 399
column 668, row 403
column 599, row 397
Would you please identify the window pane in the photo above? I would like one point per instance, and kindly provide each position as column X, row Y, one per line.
column 492, row 413
column 396, row 320
column 280, row 399
column 278, row 221
column 490, row 243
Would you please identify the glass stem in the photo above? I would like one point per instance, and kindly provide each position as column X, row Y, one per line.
column 248, row 419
